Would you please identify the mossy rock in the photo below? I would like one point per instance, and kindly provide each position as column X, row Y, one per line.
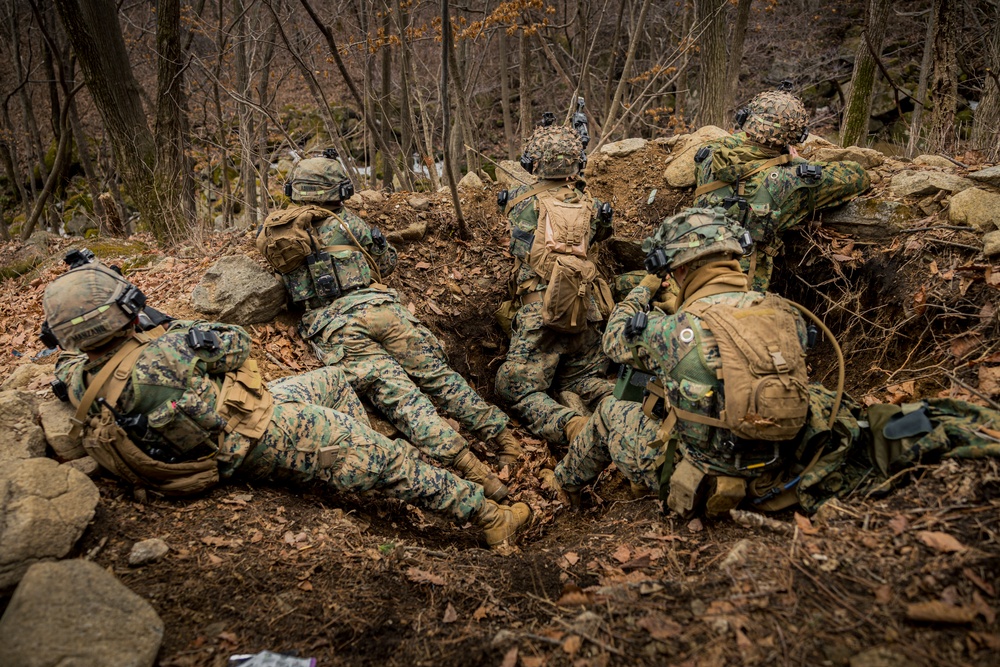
column 490, row 169
column 105, row 247
column 22, row 261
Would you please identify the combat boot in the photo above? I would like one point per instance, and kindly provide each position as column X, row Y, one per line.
column 568, row 495
column 510, row 448
column 574, row 427
column 477, row 472
column 501, row 522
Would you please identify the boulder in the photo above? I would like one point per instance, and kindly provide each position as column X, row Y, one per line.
column 85, row 464
column 419, row 203
column 988, row 176
column 20, row 435
column 147, row 551
column 77, row 613
column 46, row 507
column 991, row 244
column 79, row 224
column 680, row 172
column 239, row 291
column 366, row 198
column 56, row 418
column 471, row 181
column 511, row 174
column 868, row 219
column 975, row 207
column 623, row 148
column 868, row 158
column 815, row 142
column 914, row 182
column 24, row 375
column 934, row 161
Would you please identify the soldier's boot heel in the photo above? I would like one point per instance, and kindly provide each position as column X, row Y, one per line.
column 501, row 522
column 477, row 472
column 574, row 427
column 510, row 448
column 724, row 494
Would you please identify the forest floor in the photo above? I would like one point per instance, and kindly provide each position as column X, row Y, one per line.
column 911, row 578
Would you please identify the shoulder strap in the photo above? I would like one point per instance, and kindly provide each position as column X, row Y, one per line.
column 130, row 346
column 538, row 188
column 767, row 164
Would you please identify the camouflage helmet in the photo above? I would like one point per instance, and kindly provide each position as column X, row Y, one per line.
column 88, row 306
column 555, row 152
column 317, row 180
column 694, row 233
column 775, row 118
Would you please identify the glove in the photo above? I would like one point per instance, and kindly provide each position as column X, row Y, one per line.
column 652, row 282
column 669, row 306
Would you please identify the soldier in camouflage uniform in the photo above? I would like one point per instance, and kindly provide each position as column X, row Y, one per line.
column 758, row 177
column 181, row 388
column 540, row 360
column 701, row 246
column 389, row 357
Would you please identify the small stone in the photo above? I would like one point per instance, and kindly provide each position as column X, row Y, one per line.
column 988, row 176
column 866, row 157
column 471, row 181
column 868, row 216
column 914, row 182
column 991, row 244
column 929, row 205
column 975, row 207
column 736, row 555
column 418, row 203
column 56, row 418
column 680, row 173
column 880, row 656
column 20, row 435
column 238, row 290
column 77, row 613
column 413, row 232
column 147, row 551
column 934, row 161
column 24, row 375
column 87, row 465
column 503, row 638
column 623, row 148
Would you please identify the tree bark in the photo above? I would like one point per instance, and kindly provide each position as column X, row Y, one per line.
column 527, row 126
column 712, row 66
column 944, row 81
column 169, row 128
column 858, row 109
column 83, row 151
column 508, row 123
column 463, row 228
column 263, row 100
column 925, row 72
column 985, row 135
column 94, row 32
column 736, row 40
column 245, row 114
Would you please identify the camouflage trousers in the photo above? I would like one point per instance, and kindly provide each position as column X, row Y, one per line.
column 319, row 431
column 540, row 360
column 400, row 366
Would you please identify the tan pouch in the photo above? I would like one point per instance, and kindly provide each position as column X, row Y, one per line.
column 244, row 401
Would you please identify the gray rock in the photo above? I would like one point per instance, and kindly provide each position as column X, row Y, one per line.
column 147, row 551
column 511, row 174
column 989, row 176
column 24, row 375
column 623, row 148
column 20, row 435
column 86, row 464
column 680, row 172
column 975, row 207
column 866, row 157
column 45, row 509
column 471, row 181
column 79, row 224
column 868, row 218
column 76, row 613
column 919, row 183
column 56, row 418
column 239, row 291
column 41, row 240
column 934, row 161
column 991, row 244
column 418, row 203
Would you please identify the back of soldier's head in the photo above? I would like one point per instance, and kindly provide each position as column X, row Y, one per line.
column 89, row 306
column 695, row 234
column 553, row 152
column 319, row 180
column 776, row 119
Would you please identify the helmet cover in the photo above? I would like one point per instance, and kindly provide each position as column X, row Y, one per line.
column 85, row 306
column 555, row 150
column 694, row 233
column 317, row 180
column 775, row 119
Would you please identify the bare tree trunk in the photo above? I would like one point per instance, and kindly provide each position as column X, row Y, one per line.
column 169, row 130
column 611, row 76
column 62, row 155
column 34, row 137
column 227, row 194
column 944, row 82
column 858, row 109
column 987, row 119
column 925, row 72
column 385, row 76
column 737, row 37
column 680, row 89
column 508, row 123
column 712, row 66
column 14, row 170
column 463, row 228
column 83, row 151
column 245, row 114
column 263, row 99
column 527, row 126
column 609, row 120
column 461, row 96
column 93, row 30
column 406, row 121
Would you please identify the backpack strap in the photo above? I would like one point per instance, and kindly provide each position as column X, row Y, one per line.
column 718, row 185
column 538, row 188
column 123, row 360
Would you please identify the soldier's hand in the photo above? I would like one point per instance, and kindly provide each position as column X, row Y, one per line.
column 669, row 306
column 652, row 282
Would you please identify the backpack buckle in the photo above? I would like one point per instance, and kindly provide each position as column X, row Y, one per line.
column 779, row 360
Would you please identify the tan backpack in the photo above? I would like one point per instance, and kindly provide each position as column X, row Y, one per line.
column 559, row 255
column 763, row 369
column 285, row 238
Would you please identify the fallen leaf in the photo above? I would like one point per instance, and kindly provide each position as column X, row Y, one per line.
column 622, row 554
column 982, row 608
column 964, row 344
column 306, row 586
column 532, row 661
column 978, row 581
column 572, row 644
column 571, row 557
column 939, row 612
column 989, row 641
column 660, row 627
column 940, row 541
column 575, row 599
column 933, row 268
column 421, row 577
column 695, row 526
column 510, row 658
column 421, row 265
column 898, row 524
column 883, row 594
column 805, row 525
column 480, row 613
column 920, row 301
column 450, row 615
column 989, row 380
column 215, row 541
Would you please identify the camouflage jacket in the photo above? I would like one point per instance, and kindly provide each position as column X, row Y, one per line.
column 779, row 198
column 684, row 356
column 330, row 232
column 173, row 384
column 523, row 219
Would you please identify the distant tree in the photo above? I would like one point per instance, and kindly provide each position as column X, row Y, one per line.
column 737, row 37
column 96, row 37
column 858, row 108
column 712, row 80
column 986, row 123
column 917, row 119
column 944, row 81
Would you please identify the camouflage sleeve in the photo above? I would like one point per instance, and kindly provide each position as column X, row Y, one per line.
column 372, row 240
column 70, row 370
column 523, row 219
column 615, row 345
column 233, row 349
column 839, row 183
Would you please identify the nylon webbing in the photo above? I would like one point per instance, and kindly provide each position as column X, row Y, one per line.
column 538, row 188
column 130, row 346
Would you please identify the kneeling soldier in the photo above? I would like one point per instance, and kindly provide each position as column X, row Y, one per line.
column 174, row 410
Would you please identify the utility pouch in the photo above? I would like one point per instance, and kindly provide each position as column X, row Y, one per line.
column 176, row 422
column 520, row 243
column 244, row 401
column 631, row 383
column 351, row 268
column 324, row 277
column 505, row 314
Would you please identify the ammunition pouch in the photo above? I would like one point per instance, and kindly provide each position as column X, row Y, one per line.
column 244, row 401
column 631, row 383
